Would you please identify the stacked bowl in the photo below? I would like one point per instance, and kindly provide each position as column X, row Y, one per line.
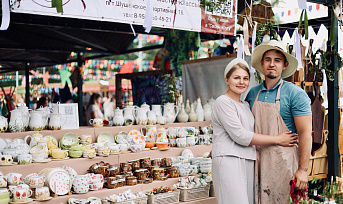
column 81, row 183
column 205, row 165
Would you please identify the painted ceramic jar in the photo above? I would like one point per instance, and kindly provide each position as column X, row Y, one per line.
column 170, row 112
column 141, row 118
column 129, row 115
column 118, row 119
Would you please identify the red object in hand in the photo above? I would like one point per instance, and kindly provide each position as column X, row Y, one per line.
column 297, row 195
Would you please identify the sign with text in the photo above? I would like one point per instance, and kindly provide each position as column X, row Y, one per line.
column 221, row 20
column 183, row 15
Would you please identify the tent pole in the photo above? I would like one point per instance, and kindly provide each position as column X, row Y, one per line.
column 27, row 85
column 80, row 63
column 333, row 100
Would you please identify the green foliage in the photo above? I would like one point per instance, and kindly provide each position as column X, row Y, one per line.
column 325, row 59
column 169, row 89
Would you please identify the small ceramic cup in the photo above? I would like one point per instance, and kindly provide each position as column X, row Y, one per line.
column 86, row 138
column 172, row 142
column 3, row 182
column 14, row 178
column 27, row 187
column 59, row 154
column 20, row 194
column 25, row 159
column 6, row 159
column 42, row 193
column 96, row 122
column 36, row 181
column 191, row 141
column 37, row 157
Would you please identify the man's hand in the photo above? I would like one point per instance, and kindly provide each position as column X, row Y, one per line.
column 301, row 176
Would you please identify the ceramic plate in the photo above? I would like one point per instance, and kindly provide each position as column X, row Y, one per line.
column 43, row 161
column 162, row 149
column 105, row 137
column 121, row 137
column 138, row 139
column 59, row 182
column 8, row 164
column 3, row 144
column 145, row 149
column 49, row 198
column 153, row 148
column 51, row 138
column 59, row 159
column 27, row 201
column 69, row 139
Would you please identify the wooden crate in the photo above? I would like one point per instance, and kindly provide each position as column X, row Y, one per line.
column 143, row 200
column 163, row 198
column 195, row 193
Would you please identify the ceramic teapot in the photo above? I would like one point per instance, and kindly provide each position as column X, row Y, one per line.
column 170, row 112
column 37, row 121
column 56, row 121
column 3, row 124
column 34, row 138
column 17, row 121
column 157, row 109
column 118, row 119
column 145, row 106
column 141, row 116
column 26, row 114
column 129, row 115
column 45, row 112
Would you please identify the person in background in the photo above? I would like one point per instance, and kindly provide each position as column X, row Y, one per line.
column 279, row 106
column 43, row 102
column 233, row 150
column 93, row 108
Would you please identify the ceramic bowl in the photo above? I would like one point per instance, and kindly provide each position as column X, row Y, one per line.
column 75, row 154
column 149, row 144
column 136, row 148
column 187, row 153
column 81, row 189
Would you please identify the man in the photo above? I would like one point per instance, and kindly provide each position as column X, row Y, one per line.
column 279, row 106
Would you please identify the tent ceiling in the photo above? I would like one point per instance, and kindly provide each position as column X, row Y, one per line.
column 37, row 41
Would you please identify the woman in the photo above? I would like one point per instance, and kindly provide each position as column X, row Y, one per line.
column 233, row 149
column 93, row 108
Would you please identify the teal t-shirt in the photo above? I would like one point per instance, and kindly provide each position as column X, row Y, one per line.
column 293, row 101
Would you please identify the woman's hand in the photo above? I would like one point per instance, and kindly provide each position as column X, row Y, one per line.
column 287, row 139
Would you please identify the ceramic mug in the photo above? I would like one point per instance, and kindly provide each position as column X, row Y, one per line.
column 25, row 159
column 59, row 154
column 86, row 138
column 96, row 122
column 172, row 132
column 27, row 187
column 6, row 159
column 20, row 194
column 181, row 142
column 14, row 178
column 191, row 141
column 204, row 139
column 4, row 190
column 3, row 181
column 42, row 193
column 36, row 181
column 37, row 157
column 172, row 142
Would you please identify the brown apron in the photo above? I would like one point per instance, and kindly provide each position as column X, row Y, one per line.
column 275, row 165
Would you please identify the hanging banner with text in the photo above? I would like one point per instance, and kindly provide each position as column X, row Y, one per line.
column 184, row 15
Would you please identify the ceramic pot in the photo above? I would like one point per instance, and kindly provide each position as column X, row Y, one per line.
column 45, row 112
column 152, row 118
column 17, row 121
column 141, row 118
column 157, row 109
column 3, row 124
column 182, row 117
column 56, row 121
column 26, row 114
column 170, row 112
column 150, row 132
column 118, row 119
column 145, row 106
column 129, row 115
column 193, row 117
column 33, row 139
column 199, row 110
column 37, row 121
column 161, row 135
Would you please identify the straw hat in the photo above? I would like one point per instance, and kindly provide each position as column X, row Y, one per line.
column 234, row 62
column 274, row 45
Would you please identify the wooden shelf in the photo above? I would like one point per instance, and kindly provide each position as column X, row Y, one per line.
column 81, row 165
column 319, row 176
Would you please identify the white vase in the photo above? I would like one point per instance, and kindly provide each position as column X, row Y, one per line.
column 118, row 119
column 199, row 110
column 193, row 117
column 207, row 112
column 182, row 117
column 188, row 107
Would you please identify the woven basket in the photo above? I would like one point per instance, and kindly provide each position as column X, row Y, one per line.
column 163, row 198
column 195, row 193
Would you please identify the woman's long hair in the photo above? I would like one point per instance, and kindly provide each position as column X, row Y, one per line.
column 93, row 98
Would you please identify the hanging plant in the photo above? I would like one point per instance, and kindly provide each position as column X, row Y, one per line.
column 211, row 6
column 324, row 63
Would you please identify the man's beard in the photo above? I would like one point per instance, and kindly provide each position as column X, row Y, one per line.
column 271, row 76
